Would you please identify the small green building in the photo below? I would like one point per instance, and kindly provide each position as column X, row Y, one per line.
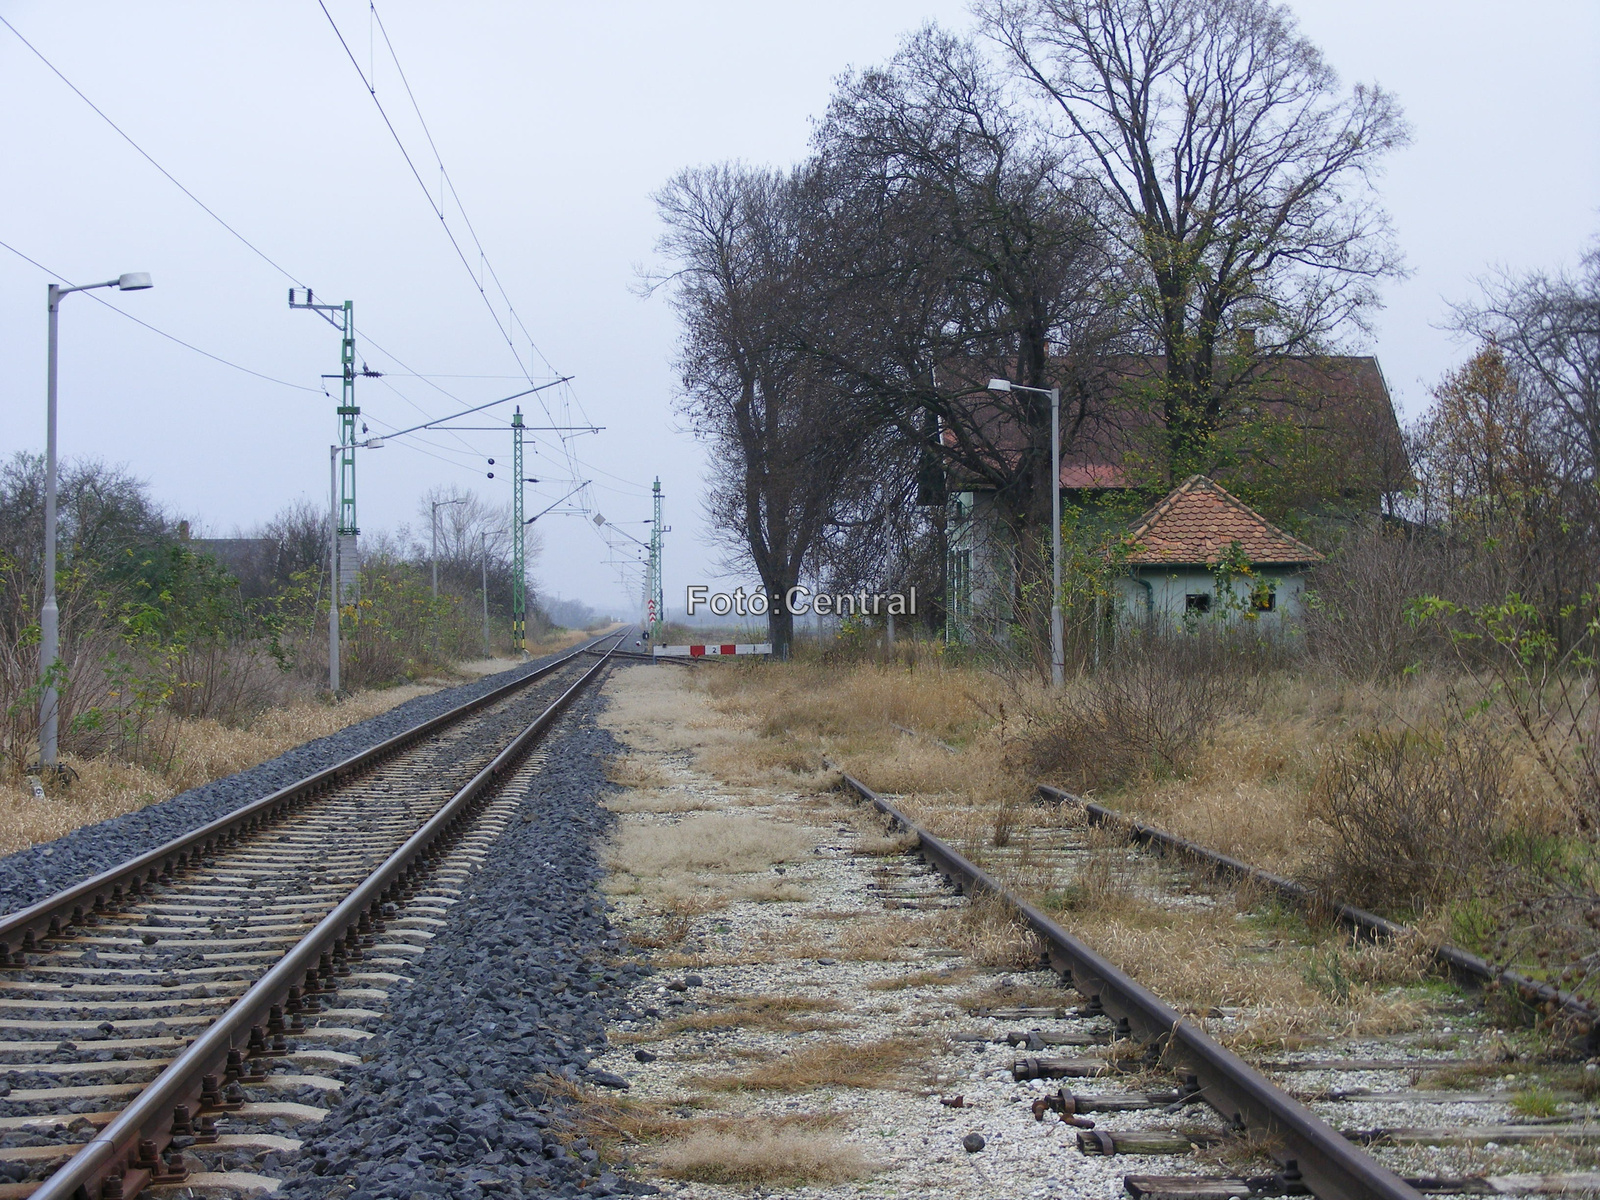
column 1202, row 553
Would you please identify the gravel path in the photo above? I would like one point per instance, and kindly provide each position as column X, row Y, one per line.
column 39, row 871
column 518, row 985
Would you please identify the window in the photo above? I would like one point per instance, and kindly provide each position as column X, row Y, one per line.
column 1263, row 600
column 1197, row 602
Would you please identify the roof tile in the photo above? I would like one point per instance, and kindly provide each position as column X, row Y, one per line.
column 1197, row 523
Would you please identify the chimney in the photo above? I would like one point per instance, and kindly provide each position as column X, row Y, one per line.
column 183, row 531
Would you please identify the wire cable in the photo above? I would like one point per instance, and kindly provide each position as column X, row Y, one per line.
column 140, row 150
column 299, row 387
column 438, row 209
column 451, row 183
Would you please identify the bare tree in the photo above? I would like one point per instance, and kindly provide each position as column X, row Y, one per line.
column 784, row 448
column 298, row 534
column 1237, row 176
column 1548, row 327
column 959, row 248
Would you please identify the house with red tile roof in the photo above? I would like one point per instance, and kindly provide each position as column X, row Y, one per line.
column 1111, row 444
column 1204, row 553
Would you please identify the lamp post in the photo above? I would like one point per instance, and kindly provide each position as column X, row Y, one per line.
column 50, row 612
column 433, row 550
column 1057, row 648
column 374, row 443
column 488, row 651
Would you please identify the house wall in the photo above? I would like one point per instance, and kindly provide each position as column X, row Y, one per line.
column 980, row 571
column 1160, row 594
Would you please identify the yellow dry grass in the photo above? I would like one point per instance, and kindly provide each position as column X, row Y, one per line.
column 831, row 1063
column 1249, row 795
column 778, row 1014
column 720, row 842
column 790, row 1149
column 922, row 979
column 757, row 1154
column 207, row 750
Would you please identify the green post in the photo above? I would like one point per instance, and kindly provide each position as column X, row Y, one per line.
column 348, row 412
column 519, row 599
column 347, row 561
column 657, row 615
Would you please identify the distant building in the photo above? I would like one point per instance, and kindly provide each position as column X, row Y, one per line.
column 1203, row 553
column 252, row 561
column 1339, row 405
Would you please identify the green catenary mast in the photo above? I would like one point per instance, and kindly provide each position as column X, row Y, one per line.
column 342, row 318
column 519, row 599
column 658, row 613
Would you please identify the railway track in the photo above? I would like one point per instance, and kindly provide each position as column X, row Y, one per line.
column 1326, row 1116
column 186, row 1010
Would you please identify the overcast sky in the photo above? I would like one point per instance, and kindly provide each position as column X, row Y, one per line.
column 556, row 123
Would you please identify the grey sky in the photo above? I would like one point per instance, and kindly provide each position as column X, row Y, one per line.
column 556, row 122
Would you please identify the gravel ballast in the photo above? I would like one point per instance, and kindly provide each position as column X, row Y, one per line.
column 33, row 874
column 519, row 984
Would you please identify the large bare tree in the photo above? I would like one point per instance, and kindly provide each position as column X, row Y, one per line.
column 1237, row 174
column 961, row 248
column 786, row 451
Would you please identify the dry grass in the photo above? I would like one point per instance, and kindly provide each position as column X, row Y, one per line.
column 207, row 750
column 772, row 891
column 759, row 1154
column 987, row 935
column 921, row 979
column 658, row 801
column 829, row 1063
column 789, row 1149
column 1248, row 792
column 862, row 937
column 636, row 771
column 777, row 1014
column 723, row 843
column 1013, row 993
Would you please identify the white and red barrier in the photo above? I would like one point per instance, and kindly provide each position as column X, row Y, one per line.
column 723, row 650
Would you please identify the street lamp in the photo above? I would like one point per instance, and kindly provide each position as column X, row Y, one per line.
column 373, row 443
column 433, row 550
column 1057, row 649
column 50, row 612
column 488, row 651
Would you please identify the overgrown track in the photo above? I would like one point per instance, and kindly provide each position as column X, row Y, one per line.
column 1469, row 968
column 176, row 977
column 1330, row 1167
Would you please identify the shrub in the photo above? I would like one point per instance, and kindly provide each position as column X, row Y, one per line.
column 1151, row 709
column 1415, row 815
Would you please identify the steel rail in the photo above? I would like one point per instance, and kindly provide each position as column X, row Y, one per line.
column 127, row 1149
column 1467, row 967
column 1328, row 1165
column 83, row 902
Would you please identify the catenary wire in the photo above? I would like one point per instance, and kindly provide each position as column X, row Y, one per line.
column 299, row 387
column 140, row 150
column 438, row 209
column 451, row 183
column 574, row 462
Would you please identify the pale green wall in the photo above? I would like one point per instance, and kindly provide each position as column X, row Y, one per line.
column 1166, row 598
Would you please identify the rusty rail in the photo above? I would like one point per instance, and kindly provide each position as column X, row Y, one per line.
column 125, row 1156
column 1311, row 1152
column 1465, row 966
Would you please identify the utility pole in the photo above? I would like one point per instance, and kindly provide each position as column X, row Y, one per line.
column 346, row 571
column 433, row 545
column 488, row 651
column 519, row 599
column 656, row 601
